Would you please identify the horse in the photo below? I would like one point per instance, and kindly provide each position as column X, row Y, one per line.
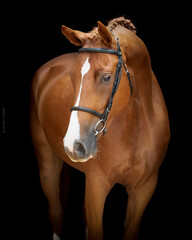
column 101, row 111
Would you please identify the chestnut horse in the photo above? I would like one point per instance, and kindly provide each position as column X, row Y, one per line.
column 71, row 95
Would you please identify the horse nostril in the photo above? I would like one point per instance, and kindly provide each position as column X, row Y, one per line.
column 79, row 149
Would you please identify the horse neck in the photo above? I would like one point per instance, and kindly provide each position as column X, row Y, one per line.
column 139, row 64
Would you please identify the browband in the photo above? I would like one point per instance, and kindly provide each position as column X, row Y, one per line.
column 100, row 50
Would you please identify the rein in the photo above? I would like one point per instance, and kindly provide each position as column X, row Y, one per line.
column 101, row 124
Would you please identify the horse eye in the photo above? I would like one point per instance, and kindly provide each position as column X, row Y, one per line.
column 106, row 78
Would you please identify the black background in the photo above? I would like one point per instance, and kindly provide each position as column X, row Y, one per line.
column 31, row 37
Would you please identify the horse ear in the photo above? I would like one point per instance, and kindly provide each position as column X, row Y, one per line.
column 104, row 34
column 74, row 36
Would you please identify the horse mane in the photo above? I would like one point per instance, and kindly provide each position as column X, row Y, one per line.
column 121, row 21
column 113, row 25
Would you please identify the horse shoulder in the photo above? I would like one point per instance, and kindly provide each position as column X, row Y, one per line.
column 155, row 134
column 50, row 72
column 161, row 118
column 51, row 92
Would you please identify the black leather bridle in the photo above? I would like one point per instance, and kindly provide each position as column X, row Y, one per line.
column 101, row 124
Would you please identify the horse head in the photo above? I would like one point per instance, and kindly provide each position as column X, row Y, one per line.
column 93, row 76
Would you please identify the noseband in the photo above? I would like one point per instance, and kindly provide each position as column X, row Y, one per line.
column 101, row 124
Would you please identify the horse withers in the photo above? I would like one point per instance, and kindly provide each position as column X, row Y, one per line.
column 101, row 111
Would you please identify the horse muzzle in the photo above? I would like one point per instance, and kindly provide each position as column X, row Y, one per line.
column 82, row 149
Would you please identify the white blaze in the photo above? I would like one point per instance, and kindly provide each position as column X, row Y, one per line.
column 55, row 237
column 73, row 131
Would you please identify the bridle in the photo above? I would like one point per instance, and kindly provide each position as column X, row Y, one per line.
column 104, row 115
column 101, row 124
